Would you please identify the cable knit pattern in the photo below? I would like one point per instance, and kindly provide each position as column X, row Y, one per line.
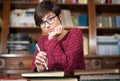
column 66, row 54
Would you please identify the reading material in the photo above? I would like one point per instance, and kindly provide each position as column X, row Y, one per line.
column 96, row 71
column 98, row 74
column 44, row 74
column 56, row 79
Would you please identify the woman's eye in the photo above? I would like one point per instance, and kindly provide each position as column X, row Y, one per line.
column 50, row 19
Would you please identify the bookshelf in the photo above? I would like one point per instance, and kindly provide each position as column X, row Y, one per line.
column 93, row 60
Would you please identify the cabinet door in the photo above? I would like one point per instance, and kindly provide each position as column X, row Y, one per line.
column 2, row 73
column 21, row 63
column 93, row 63
column 111, row 63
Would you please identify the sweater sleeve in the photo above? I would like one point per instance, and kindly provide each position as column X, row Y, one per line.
column 69, row 58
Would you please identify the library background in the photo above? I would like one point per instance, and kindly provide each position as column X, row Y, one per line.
column 99, row 21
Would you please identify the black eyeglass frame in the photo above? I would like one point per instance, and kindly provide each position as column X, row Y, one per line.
column 44, row 22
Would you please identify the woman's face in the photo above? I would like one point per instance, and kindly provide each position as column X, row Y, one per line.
column 50, row 22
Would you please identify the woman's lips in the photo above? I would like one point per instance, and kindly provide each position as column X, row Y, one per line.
column 49, row 30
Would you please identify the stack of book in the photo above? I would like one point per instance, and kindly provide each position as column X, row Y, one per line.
column 107, row 1
column 48, row 76
column 98, row 75
column 66, row 18
column 73, row 1
column 108, row 45
column 79, row 75
column 9, row 79
column 83, row 20
column 22, row 18
column 18, row 41
column 108, row 21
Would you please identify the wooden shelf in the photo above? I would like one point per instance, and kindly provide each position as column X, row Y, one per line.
column 73, row 7
column 23, row 5
column 25, row 29
column 81, row 8
column 108, row 30
column 108, row 8
column 38, row 30
column 101, row 56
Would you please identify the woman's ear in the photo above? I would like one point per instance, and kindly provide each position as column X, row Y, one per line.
column 60, row 16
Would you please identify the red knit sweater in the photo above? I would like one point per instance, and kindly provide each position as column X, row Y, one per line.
column 66, row 54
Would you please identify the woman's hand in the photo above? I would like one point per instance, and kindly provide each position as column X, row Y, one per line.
column 57, row 31
column 40, row 60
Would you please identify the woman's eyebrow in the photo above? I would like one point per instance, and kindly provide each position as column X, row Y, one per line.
column 50, row 15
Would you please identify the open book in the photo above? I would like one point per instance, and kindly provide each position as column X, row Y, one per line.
column 48, row 76
column 44, row 74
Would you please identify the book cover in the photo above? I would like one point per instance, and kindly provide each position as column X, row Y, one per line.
column 118, row 21
column 82, row 20
column 109, row 1
column 55, row 79
column 66, row 18
column 82, row 1
column 44, row 74
column 102, row 77
column 105, row 21
column 98, row 74
column 119, row 46
column 107, row 45
column 103, row 1
column 99, row 21
column 96, row 71
column 85, row 45
column 10, row 79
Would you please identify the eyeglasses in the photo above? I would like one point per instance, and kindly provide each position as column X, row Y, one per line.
column 50, row 21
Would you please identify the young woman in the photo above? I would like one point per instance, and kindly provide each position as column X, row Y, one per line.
column 60, row 49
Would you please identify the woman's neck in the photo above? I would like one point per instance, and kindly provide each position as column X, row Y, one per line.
column 62, row 35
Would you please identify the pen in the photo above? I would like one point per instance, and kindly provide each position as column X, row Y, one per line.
column 43, row 59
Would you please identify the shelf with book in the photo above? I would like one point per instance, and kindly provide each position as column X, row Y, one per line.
column 107, row 26
column 98, row 74
column 107, row 15
column 81, row 8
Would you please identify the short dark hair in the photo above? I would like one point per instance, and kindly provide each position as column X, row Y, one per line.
column 43, row 8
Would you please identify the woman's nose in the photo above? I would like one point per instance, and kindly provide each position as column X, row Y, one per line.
column 47, row 24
